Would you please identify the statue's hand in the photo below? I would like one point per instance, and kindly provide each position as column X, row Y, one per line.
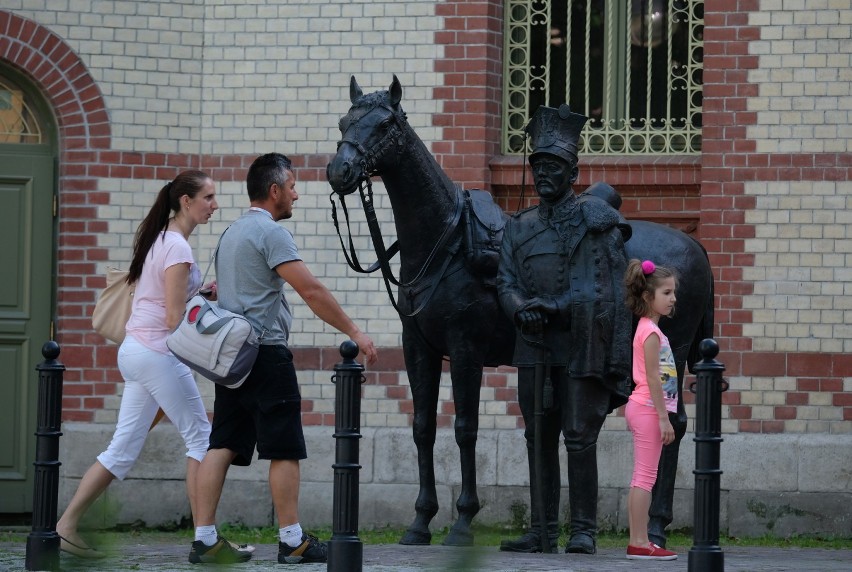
column 543, row 305
column 531, row 321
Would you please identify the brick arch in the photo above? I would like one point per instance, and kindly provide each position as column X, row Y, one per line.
column 84, row 142
column 63, row 79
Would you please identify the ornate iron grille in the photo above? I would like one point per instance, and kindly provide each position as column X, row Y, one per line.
column 634, row 67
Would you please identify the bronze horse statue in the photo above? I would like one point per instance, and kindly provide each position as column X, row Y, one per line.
column 445, row 292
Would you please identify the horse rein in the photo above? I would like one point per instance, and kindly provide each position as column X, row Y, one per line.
column 368, row 164
column 384, row 256
column 351, row 256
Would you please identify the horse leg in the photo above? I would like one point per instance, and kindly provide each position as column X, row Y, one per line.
column 424, row 376
column 467, row 379
column 660, row 514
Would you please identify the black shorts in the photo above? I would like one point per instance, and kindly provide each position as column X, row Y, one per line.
column 265, row 411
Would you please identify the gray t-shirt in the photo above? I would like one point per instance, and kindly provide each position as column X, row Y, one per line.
column 247, row 282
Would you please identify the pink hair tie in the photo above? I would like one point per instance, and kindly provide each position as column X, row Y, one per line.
column 648, row 267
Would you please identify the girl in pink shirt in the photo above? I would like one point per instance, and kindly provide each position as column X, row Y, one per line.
column 650, row 295
column 166, row 275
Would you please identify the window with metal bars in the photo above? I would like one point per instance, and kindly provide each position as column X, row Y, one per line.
column 634, row 67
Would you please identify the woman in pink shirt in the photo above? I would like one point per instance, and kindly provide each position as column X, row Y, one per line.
column 650, row 295
column 166, row 276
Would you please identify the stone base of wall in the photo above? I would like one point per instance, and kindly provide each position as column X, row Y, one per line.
column 771, row 484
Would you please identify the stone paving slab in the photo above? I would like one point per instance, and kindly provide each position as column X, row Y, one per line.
column 397, row 558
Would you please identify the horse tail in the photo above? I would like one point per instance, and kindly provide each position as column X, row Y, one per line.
column 706, row 325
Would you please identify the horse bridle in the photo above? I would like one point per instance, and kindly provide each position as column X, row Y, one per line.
column 370, row 157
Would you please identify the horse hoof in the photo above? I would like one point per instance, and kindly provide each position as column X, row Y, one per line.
column 455, row 538
column 416, row 538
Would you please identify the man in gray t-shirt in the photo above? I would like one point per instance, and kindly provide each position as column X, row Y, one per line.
column 252, row 247
column 257, row 257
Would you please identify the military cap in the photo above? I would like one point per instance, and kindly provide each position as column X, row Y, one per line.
column 555, row 131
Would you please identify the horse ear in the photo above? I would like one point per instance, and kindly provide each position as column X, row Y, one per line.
column 354, row 90
column 395, row 91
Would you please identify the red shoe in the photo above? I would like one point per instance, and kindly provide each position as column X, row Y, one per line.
column 650, row 552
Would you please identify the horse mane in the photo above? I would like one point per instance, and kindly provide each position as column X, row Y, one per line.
column 373, row 99
column 370, row 101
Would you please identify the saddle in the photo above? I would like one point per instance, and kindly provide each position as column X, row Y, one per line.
column 482, row 232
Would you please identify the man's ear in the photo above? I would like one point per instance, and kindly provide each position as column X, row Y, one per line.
column 575, row 173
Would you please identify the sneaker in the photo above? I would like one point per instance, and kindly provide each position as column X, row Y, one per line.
column 223, row 552
column 242, row 547
column 310, row 550
column 650, row 552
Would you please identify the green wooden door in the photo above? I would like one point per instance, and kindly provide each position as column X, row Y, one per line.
column 26, row 302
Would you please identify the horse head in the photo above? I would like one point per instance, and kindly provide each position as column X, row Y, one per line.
column 373, row 132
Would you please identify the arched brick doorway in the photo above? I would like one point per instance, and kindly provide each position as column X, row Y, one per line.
column 49, row 182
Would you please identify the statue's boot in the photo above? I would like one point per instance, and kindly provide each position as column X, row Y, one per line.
column 530, row 541
column 583, row 496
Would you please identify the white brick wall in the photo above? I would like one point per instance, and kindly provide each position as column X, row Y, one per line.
column 802, row 278
column 805, row 76
column 279, row 72
column 802, row 244
column 248, row 77
column 221, row 77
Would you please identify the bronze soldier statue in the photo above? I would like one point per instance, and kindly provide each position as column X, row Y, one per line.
column 561, row 280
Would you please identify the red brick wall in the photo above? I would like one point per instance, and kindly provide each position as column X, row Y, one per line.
column 472, row 68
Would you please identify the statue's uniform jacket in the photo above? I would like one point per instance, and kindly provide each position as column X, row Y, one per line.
column 572, row 252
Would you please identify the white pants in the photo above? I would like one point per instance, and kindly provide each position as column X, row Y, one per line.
column 153, row 380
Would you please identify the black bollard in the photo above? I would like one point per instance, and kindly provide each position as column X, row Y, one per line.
column 43, row 542
column 345, row 549
column 706, row 554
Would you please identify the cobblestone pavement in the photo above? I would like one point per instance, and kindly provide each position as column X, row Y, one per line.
column 397, row 558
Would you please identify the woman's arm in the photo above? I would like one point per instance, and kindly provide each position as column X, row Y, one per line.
column 177, row 278
column 655, row 386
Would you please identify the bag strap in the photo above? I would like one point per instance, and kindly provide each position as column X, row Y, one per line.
column 212, row 328
column 276, row 307
column 213, row 258
column 218, row 324
column 270, row 317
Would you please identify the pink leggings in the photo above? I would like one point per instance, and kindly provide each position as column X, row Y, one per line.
column 647, row 443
